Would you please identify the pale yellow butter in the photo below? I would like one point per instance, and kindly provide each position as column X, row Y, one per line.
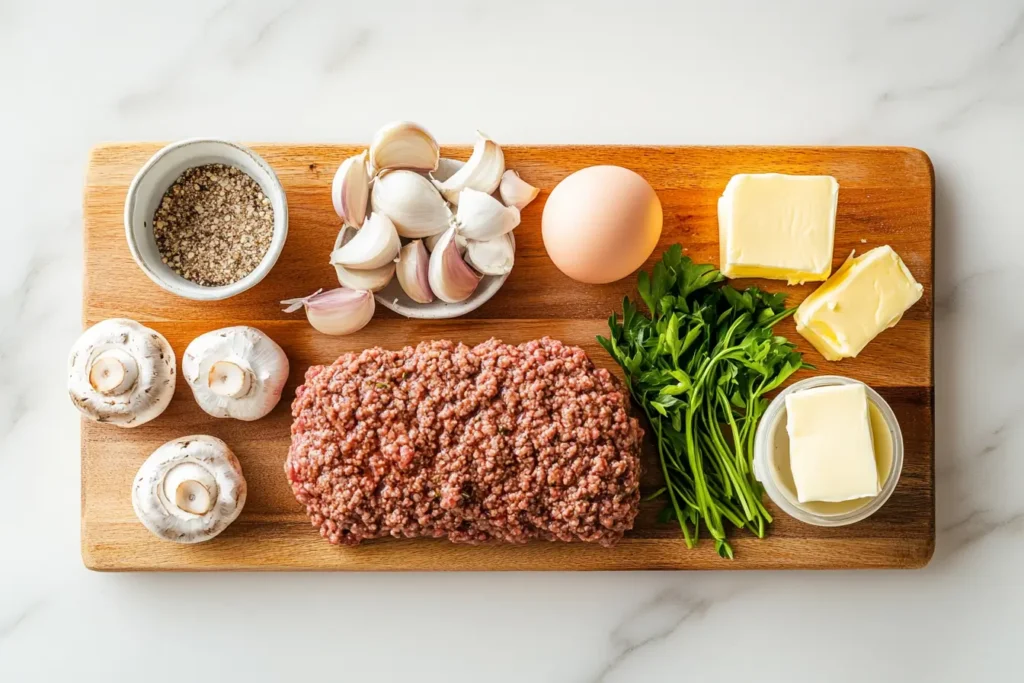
column 777, row 226
column 831, row 453
column 867, row 295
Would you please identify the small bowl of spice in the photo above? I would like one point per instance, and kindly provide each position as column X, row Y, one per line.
column 206, row 219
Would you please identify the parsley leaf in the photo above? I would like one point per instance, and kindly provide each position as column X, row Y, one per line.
column 700, row 364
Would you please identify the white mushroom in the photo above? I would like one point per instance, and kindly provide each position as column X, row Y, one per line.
column 235, row 372
column 189, row 490
column 121, row 373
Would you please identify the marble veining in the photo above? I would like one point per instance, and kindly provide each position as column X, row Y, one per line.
column 941, row 75
column 654, row 621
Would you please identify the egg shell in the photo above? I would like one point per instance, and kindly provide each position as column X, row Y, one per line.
column 601, row 223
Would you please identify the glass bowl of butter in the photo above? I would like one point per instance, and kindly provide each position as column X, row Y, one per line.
column 829, row 462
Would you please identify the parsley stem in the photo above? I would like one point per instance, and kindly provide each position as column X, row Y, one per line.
column 699, row 364
column 656, row 423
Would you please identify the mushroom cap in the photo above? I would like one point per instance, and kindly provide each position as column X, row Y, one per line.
column 182, row 465
column 250, row 349
column 152, row 389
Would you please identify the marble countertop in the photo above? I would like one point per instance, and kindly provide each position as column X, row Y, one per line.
column 947, row 77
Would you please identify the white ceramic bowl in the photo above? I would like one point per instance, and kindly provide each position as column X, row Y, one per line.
column 395, row 299
column 159, row 173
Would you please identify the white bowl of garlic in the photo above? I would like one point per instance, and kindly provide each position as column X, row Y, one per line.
column 431, row 237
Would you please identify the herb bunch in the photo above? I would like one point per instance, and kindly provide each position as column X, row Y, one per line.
column 700, row 366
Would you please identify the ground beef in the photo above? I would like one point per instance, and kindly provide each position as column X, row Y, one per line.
column 490, row 443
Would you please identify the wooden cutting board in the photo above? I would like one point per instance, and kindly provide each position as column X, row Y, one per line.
column 886, row 197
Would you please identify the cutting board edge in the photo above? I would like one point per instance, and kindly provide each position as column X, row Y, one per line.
column 918, row 555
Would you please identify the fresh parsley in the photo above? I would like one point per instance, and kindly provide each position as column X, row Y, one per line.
column 700, row 364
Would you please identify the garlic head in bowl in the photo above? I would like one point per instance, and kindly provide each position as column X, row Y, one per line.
column 454, row 220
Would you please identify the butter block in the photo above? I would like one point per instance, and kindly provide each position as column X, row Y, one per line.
column 868, row 294
column 831, row 452
column 778, row 226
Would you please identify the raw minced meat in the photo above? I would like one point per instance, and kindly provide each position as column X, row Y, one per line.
column 490, row 443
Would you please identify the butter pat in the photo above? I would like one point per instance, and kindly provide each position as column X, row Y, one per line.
column 831, row 452
column 778, row 226
column 869, row 294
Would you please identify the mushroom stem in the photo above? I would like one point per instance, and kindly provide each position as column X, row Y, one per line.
column 229, row 380
column 113, row 372
column 189, row 490
column 192, row 496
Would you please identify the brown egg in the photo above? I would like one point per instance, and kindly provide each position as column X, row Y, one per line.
column 601, row 223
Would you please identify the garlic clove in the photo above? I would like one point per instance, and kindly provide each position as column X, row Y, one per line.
column 413, row 267
column 431, row 242
column 411, row 202
column 374, row 279
column 451, row 280
column 482, row 217
column 493, row 257
column 337, row 311
column 482, row 172
column 446, row 168
column 229, row 379
column 113, row 372
column 404, row 144
column 515, row 191
column 374, row 245
column 350, row 190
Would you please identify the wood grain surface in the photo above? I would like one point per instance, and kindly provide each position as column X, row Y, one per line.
column 886, row 197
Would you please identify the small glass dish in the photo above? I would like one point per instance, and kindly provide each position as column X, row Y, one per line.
column 771, row 459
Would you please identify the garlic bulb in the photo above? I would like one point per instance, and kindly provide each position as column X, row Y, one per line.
column 515, row 191
column 450, row 278
column 350, row 190
column 482, row 217
column 374, row 279
column 121, row 373
column 375, row 245
column 404, row 145
column 482, row 172
column 446, row 212
column 411, row 202
column 189, row 490
column 493, row 257
column 235, row 372
column 413, row 265
column 335, row 312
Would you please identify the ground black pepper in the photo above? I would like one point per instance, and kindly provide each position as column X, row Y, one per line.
column 213, row 225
